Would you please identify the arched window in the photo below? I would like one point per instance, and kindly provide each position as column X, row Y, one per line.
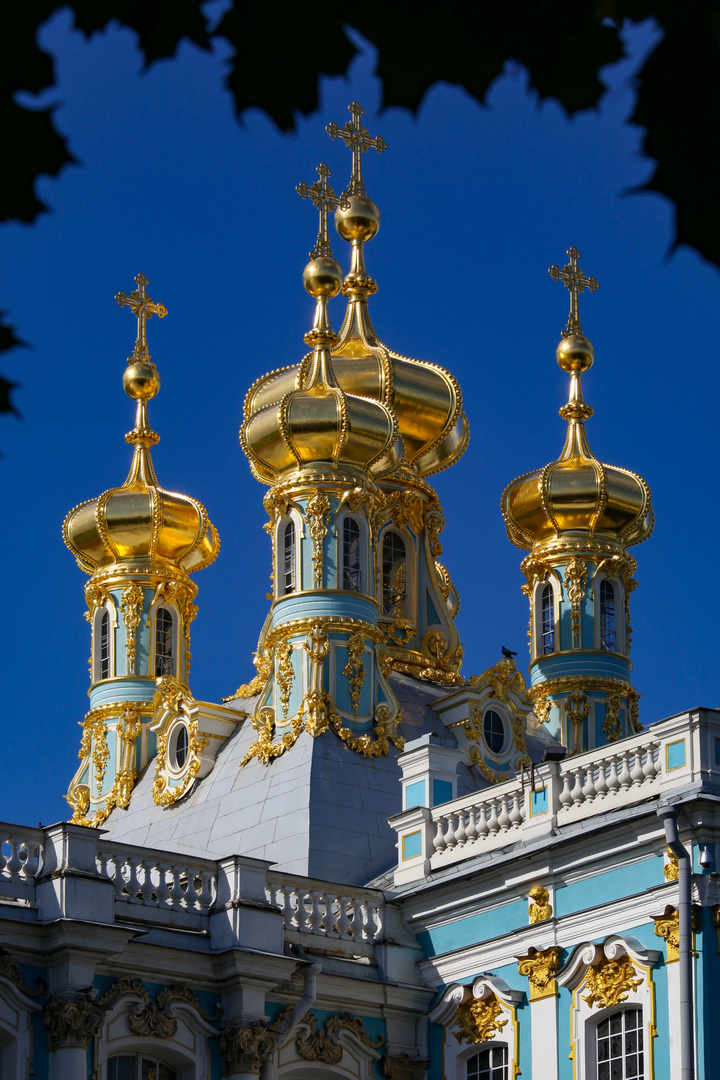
column 619, row 1046
column 394, row 574
column 607, row 615
column 138, row 1067
column 288, row 577
column 489, row 1064
column 352, row 576
column 493, row 731
column 547, row 609
column 104, row 670
column 164, row 660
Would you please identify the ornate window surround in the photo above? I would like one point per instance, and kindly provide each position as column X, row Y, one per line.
column 411, row 571
column 495, row 992
column 632, row 989
column 15, row 1028
column 339, row 532
column 170, row 606
column 279, row 549
column 619, row 612
column 537, row 638
column 111, row 609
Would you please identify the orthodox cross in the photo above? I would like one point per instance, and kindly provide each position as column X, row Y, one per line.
column 358, row 139
column 574, row 280
column 142, row 306
column 325, row 199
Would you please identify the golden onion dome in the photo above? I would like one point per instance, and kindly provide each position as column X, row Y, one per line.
column 319, row 422
column 141, row 520
column 577, row 493
column 425, row 398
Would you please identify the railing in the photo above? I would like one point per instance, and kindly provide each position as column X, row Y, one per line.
column 326, row 910
column 158, row 886
column 606, row 778
column 20, row 858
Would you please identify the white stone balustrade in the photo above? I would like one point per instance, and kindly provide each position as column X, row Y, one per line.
column 673, row 754
column 20, row 858
column 164, row 884
column 322, row 909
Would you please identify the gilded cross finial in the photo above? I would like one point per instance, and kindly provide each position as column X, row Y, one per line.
column 325, row 199
column 358, row 139
column 573, row 279
column 143, row 307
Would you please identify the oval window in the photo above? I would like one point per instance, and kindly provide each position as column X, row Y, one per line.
column 493, row 731
column 181, row 747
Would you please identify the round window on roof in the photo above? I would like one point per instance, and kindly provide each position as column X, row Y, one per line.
column 493, row 731
column 179, row 747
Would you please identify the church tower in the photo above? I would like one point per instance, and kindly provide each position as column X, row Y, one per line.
column 138, row 543
column 577, row 517
column 345, row 439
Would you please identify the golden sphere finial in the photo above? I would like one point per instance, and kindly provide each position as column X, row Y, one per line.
column 141, row 380
column 360, row 221
column 323, row 277
column 575, row 354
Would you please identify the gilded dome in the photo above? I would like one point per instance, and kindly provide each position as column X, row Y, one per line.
column 141, row 520
column 424, row 398
column 577, row 493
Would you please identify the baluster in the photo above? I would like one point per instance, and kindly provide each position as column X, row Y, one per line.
column 504, row 818
column 102, row 860
column 601, row 788
column 342, row 923
column 439, row 837
column 3, row 860
column 577, row 791
column 132, row 884
column 450, row 840
column 205, row 897
column 118, row 876
column 612, row 781
column 378, row 912
column 482, row 822
column 493, row 826
column 146, row 885
column 471, row 831
column 460, row 833
column 32, row 853
column 516, row 817
column 565, row 796
column 624, row 777
column 316, row 915
column 636, row 772
column 14, row 863
column 589, row 785
column 162, row 891
column 373, row 923
column 357, row 923
column 650, row 769
column 176, row 893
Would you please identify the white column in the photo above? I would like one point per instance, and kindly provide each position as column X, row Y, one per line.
column 673, row 992
column 69, row 1063
column 543, row 1024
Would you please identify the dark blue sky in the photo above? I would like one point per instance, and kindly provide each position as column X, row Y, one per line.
column 476, row 202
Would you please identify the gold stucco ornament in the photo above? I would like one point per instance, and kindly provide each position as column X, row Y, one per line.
column 479, row 1020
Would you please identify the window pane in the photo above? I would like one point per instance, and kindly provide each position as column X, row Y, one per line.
column 155, row 1070
column 287, row 583
column 619, row 1042
column 493, row 731
column 607, row 615
column 394, row 572
column 351, row 555
column 548, row 619
column 105, row 645
column 163, row 642
column 123, row 1067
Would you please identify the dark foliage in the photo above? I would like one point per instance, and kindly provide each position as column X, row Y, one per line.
column 281, row 49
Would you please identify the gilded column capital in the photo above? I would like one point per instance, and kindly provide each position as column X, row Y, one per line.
column 72, row 1023
column 246, row 1049
column 667, row 926
column 540, row 968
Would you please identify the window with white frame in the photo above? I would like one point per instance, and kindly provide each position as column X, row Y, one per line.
column 394, row 574
column 619, row 1046
column 138, row 1067
column 164, row 642
column 547, row 619
column 607, row 616
column 288, row 560
column 104, row 645
column 493, row 731
column 489, row 1064
column 351, row 569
